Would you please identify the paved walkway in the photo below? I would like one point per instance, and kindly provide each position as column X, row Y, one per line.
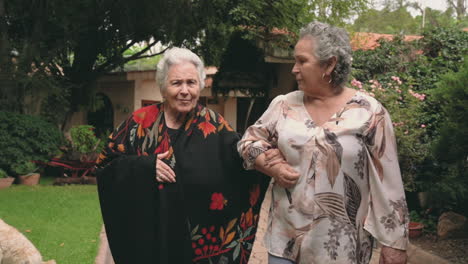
column 259, row 253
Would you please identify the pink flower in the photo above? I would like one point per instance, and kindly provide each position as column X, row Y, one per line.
column 396, row 79
column 356, row 83
column 423, row 125
column 418, row 96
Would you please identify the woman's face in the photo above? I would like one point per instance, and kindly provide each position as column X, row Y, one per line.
column 307, row 69
column 182, row 87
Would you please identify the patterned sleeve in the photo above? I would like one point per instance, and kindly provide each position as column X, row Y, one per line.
column 262, row 135
column 387, row 218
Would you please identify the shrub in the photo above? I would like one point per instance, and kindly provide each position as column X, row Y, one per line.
column 404, row 106
column 24, row 168
column 26, row 138
column 3, row 174
column 83, row 139
column 449, row 183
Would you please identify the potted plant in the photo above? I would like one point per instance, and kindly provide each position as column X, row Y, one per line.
column 5, row 180
column 416, row 225
column 26, row 173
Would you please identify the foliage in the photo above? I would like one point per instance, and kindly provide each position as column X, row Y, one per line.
column 242, row 68
column 24, row 168
column 386, row 21
column 76, row 48
column 84, row 141
column 433, row 157
column 334, row 12
column 450, row 147
column 26, row 138
column 404, row 106
column 427, row 218
column 395, row 18
column 62, row 222
column 3, row 174
column 140, row 64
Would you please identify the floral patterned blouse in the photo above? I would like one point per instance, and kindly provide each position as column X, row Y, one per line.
column 350, row 189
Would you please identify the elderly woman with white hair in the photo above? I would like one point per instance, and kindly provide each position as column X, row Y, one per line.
column 337, row 186
column 171, row 184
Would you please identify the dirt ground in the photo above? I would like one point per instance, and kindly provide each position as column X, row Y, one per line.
column 453, row 250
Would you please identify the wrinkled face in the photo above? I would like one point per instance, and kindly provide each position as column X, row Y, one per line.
column 182, row 87
column 307, row 69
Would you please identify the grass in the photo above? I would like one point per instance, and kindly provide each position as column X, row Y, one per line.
column 63, row 222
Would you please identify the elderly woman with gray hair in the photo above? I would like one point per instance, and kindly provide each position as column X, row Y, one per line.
column 171, row 184
column 332, row 154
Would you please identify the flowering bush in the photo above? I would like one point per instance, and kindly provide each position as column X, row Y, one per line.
column 405, row 108
column 430, row 130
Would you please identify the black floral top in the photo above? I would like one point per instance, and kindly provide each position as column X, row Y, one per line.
column 208, row 216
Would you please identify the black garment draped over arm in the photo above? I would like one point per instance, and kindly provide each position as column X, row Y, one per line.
column 208, row 216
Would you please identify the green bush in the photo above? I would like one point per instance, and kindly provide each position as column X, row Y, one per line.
column 404, row 106
column 3, row 174
column 26, row 138
column 24, row 168
column 428, row 109
column 84, row 140
column 449, row 180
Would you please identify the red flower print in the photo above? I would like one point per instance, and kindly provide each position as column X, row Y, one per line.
column 212, row 228
column 164, row 144
column 217, row 201
column 203, row 230
column 213, row 239
column 201, row 241
column 198, row 252
column 146, row 116
column 208, row 236
column 254, row 194
column 246, row 220
column 194, row 245
column 206, row 127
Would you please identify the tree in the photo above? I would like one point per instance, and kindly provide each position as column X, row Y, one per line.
column 335, row 12
column 65, row 48
column 459, row 6
column 387, row 21
column 70, row 46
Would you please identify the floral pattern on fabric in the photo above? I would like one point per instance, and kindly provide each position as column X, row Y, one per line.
column 350, row 190
column 224, row 221
column 236, row 237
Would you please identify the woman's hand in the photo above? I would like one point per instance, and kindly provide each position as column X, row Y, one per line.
column 284, row 175
column 390, row 255
column 164, row 173
column 273, row 156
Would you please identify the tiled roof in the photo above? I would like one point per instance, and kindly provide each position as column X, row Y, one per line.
column 368, row 41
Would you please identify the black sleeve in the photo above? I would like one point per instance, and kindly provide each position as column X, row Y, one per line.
column 127, row 194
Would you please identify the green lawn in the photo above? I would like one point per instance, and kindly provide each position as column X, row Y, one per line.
column 63, row 222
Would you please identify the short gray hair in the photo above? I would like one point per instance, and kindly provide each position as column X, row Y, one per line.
column 176, row 56
column 330, row 42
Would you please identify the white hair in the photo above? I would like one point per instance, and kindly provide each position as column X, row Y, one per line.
column 176, row 56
